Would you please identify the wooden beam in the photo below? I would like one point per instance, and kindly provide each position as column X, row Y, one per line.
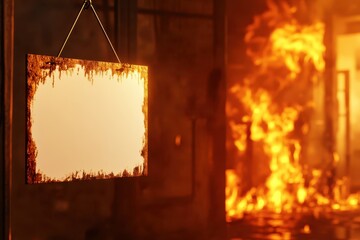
column 6, row 76
column 125, row 29
column 330, row 95
column 174, row 14
column 217, row 126
column 2, row 127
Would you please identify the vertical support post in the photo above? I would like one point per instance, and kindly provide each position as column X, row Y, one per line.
column 193, row 157
column 2, row 126
column 125, row 209
column 329, row 133
column 347, row 128
column 248, row 171
column 6, row 76
column 126, row 29
column 125, row 205
column 132, row 31
column 342, row 90
column 217, row 127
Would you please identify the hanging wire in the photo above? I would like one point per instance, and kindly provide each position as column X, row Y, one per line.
column 103, row 29
column 86, row 5
column 72, row 28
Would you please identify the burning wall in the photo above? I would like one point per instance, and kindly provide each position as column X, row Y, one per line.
column 273, row 113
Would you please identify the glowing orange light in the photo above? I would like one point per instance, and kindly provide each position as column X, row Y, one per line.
column 85, row 119
column 306, row 229
column 281, row 60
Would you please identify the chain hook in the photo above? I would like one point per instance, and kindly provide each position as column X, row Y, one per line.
column 88, row 3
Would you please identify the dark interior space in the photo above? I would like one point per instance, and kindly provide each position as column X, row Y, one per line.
column 252, row 120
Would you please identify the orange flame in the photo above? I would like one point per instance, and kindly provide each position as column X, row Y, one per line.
column 289, row 57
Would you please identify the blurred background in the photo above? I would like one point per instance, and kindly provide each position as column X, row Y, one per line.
column 197, row 52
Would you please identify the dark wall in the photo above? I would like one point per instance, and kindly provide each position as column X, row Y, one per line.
column 53, row 211
column 176, row 39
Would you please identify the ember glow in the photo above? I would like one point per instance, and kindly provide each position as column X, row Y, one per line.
column 274, row 102
column 88, row 120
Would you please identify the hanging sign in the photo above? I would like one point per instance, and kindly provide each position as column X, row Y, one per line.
column 85, row 119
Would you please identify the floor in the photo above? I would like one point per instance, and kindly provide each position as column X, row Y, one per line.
column 329, row 226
